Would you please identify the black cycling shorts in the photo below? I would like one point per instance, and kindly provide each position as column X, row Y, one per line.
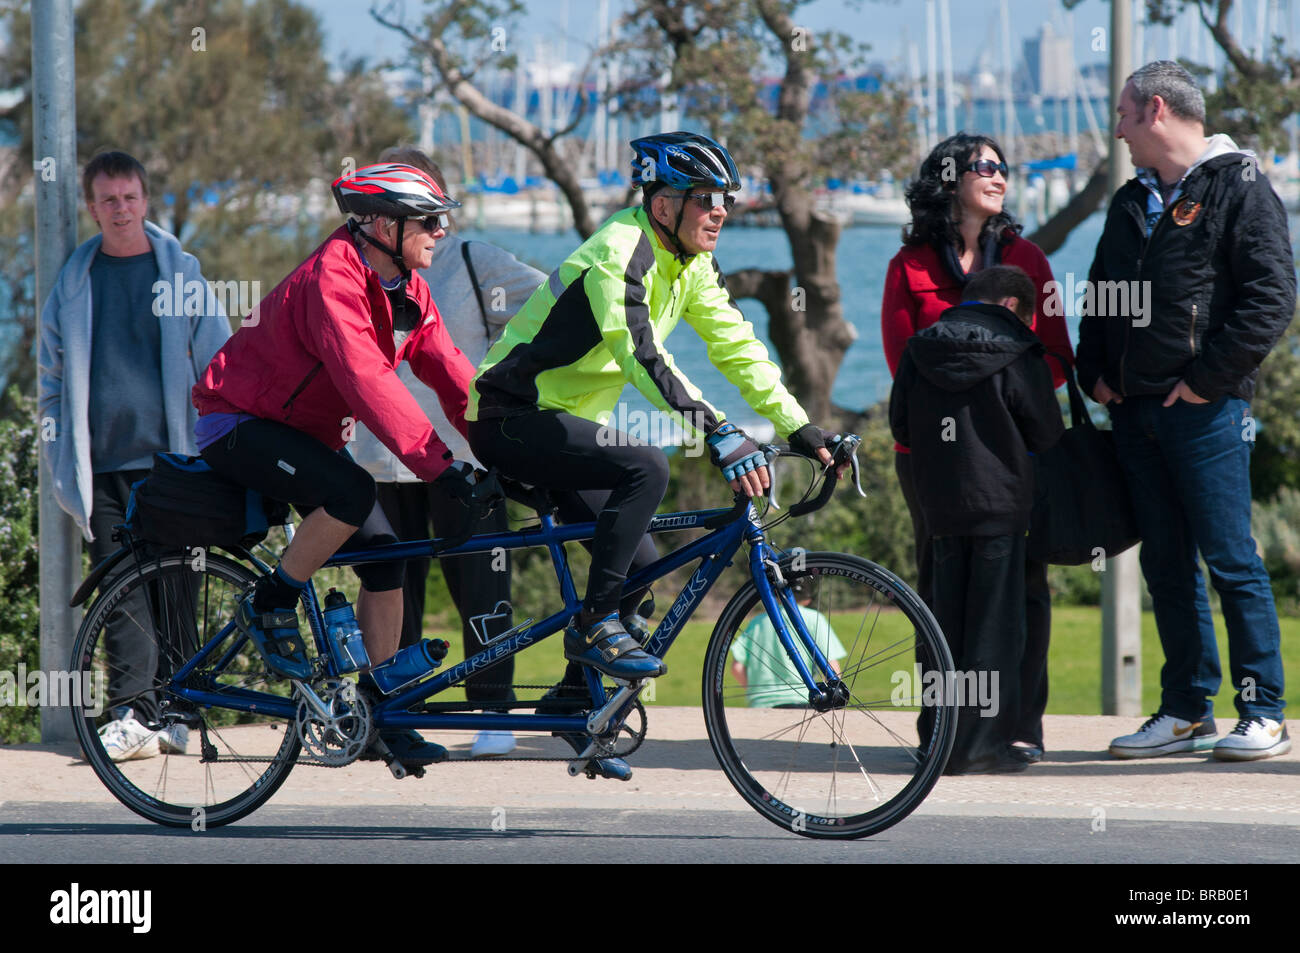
column 286, row 464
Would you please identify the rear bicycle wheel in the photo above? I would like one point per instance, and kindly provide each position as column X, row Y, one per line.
column 863, row 764
column 148, row 621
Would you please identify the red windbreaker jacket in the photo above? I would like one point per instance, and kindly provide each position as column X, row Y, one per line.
column 318, row 354
column 918, row 289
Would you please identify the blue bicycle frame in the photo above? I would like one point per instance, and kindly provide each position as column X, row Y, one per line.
column 715, row 551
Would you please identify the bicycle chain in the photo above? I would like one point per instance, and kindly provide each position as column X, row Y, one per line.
column 315, row 763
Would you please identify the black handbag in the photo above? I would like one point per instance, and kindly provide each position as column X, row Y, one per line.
column 1081, row 502
column 183, row 502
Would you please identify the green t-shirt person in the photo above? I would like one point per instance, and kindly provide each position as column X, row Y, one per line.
column 763, row 667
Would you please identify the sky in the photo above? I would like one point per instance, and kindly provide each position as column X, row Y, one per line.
column 885, row 24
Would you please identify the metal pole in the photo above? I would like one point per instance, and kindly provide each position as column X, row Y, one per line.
column 1008, row 77
column 932, row 81
column 1121, row 601
column 54, row 125
column 949, row 99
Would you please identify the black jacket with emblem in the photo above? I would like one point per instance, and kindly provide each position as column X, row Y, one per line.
column 972, row 397
column 1203, row 299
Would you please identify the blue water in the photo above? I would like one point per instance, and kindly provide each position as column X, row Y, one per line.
column 864, row 254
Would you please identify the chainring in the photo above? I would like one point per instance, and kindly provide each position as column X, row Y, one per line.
column 346, row 734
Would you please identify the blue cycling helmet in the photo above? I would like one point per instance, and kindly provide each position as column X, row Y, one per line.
column 682, row 160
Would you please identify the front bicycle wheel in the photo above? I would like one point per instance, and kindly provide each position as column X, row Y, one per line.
column 867, row 760
column 165, row 758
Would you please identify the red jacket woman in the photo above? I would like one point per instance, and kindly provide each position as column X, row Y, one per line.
column 322, row 354
column 959, row 227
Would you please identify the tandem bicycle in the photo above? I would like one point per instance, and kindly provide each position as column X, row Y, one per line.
column 845, row 759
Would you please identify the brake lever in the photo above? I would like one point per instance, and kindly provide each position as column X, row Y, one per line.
column 854, row 465
column 771, row 453
column 847, row 447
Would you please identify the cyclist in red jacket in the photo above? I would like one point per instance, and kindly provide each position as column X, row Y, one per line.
column 278, row 404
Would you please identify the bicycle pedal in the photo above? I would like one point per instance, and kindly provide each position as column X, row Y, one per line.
column 401, row 771
column 615, row 769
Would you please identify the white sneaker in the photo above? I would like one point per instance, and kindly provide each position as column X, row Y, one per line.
column 174, row 740
column 126, row 739
column 492, row 744
column 1253, row 738
column 1165, row 734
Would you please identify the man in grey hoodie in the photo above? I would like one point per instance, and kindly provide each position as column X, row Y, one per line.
column 477, row 287
column 117, row 362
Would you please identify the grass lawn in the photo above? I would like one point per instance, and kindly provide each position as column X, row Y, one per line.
column 1074, row 665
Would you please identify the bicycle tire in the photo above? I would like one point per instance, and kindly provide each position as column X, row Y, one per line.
column 178, row 603
column 852, row 771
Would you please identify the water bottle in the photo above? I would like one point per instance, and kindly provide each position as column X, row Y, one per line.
column 409, row 665
column 343, row 633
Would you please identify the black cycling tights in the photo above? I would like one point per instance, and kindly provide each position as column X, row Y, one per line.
column 286, row 464
column 560, row 452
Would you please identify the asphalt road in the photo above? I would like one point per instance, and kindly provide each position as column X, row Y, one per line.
column 79, row 833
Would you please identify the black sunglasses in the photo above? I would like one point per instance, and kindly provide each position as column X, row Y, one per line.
column 711, row 200
column 986, row 168
column 431, row 223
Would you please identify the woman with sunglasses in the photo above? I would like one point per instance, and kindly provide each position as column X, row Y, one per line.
column 959, row 227
column 279, row 403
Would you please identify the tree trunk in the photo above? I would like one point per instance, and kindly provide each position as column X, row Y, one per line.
column 805, row 323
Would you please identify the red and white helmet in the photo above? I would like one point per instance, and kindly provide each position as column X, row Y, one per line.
column 392, row 190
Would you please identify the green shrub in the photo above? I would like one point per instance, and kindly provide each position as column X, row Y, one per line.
column 1074, row 585
column 20, row 566
column 1276, row 526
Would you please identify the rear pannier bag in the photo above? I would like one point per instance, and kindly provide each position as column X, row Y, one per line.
column 183, row 502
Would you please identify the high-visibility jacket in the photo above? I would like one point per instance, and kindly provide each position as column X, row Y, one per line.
column 600, row 320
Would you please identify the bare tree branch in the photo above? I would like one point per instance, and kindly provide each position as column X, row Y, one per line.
column 1243, row 63
column 518, row 128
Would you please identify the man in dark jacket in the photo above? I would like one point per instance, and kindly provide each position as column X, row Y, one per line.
column 972, row 399
column 1192, row 285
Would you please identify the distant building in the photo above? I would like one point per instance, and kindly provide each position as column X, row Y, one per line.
column 1050, row 61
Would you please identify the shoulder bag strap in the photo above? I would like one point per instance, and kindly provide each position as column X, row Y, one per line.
column 1079, row 415
column 478, row 291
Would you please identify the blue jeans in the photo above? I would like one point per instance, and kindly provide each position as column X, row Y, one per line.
column 1188, row 472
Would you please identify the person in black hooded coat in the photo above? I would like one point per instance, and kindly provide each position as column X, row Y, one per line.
column 972, row 399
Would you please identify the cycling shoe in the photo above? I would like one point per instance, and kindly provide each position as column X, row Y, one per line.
column 607, row 647
column 407, row 747
column 277, row 637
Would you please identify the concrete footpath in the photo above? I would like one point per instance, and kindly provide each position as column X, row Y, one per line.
column 675, row 768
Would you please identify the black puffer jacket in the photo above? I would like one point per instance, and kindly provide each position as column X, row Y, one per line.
column 1217, row 279
column 972, row 397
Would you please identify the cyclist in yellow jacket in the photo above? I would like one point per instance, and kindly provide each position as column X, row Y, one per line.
column 599, row 322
